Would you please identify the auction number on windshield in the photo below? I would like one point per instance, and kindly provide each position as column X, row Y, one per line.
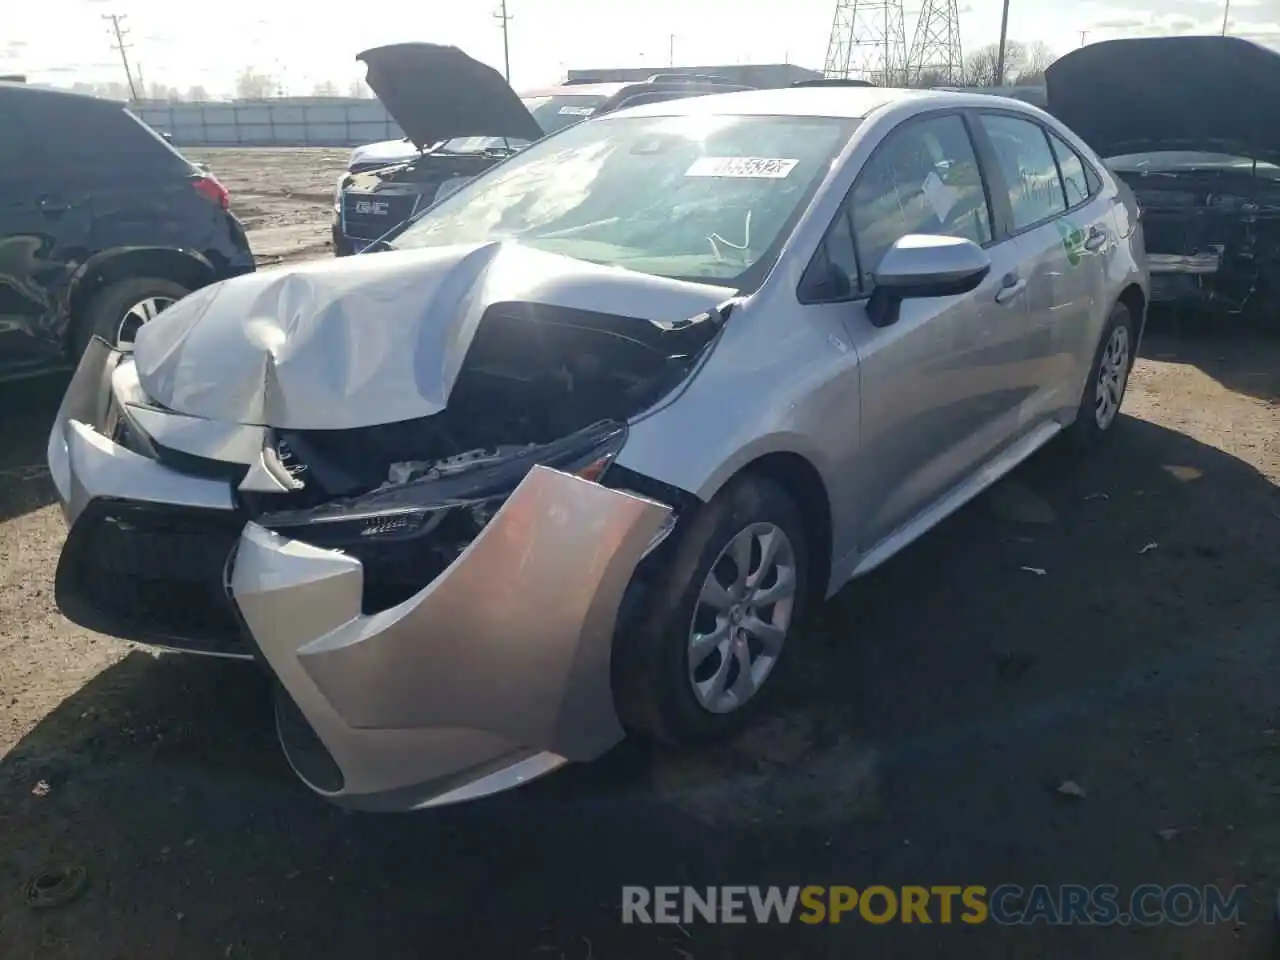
column 766, row 168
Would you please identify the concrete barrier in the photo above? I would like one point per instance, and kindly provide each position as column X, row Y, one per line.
column 287, row 122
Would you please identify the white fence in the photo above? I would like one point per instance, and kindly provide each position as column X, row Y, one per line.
column 288, row 122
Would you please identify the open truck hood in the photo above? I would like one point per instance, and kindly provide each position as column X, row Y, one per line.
column 368, row 340
column 437, row 93
column 1169, row 93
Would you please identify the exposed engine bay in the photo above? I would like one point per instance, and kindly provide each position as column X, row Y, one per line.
column 1212, row 228
column 540, row 386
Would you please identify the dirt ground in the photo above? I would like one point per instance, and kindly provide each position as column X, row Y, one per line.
column 921, row 734
column 284, row 197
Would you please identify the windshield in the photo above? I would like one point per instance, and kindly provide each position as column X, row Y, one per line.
column 1171, row 161
column 552, row 114
column 690, row 197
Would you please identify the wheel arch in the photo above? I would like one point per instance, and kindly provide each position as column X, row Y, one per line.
column 1136, row 302
column 803, row 482
column 188, row 268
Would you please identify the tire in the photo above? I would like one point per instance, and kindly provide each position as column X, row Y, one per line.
column 107, row 311
column 653, row 686
column 1097, row 415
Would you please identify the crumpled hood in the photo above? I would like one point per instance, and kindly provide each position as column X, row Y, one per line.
column 1169, row 93
column 437, row 93
column 371, row 339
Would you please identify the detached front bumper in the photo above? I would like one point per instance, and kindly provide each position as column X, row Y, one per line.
column 494, row 673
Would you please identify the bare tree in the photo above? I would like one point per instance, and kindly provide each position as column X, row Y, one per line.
column 981, row 65
column 931, row 78
column 158, row 91
column 197, row 94
column 1037, row 61
column 254, row 84
column 326, row 88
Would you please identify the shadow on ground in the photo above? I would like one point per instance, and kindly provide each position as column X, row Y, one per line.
column 1241, row 355
column 926, row 719
column 27, row 409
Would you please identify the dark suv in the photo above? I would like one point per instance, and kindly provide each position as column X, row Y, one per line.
column 102, row 225
column 460, row 117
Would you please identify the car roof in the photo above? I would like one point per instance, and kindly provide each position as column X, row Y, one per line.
column 834, row 101
column 10, row 88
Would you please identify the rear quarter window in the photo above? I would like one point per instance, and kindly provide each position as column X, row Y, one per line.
column 87, row 137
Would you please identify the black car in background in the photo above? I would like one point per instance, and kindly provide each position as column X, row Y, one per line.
column 102, row 225
column 462, row 117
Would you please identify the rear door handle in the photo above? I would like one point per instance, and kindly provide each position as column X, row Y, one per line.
column 1010, row 289
column 1097, row 239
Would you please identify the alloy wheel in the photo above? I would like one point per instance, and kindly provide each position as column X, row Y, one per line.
column 144, row 311
column 741, row 618
column 1113, row 374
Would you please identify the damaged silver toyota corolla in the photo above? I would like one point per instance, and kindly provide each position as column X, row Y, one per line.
column 569, row 458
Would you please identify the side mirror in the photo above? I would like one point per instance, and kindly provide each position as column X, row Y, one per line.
column 924, row 265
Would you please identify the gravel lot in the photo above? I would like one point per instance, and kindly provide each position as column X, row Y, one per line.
column 284, row 197
column 919, row 738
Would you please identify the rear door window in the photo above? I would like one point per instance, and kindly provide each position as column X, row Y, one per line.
column 1030, row 173
column 923, row 178
column 1074, row 178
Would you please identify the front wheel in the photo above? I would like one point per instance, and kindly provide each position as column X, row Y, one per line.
column 699, row 661
column 119, row 311
column 1108, row 378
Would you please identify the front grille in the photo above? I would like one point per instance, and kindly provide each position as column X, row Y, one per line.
column 360, row 222
column 153, row 574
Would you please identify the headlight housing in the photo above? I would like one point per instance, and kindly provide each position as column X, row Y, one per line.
column 406, row 534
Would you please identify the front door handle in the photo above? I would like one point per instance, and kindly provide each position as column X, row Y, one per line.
column 1096, row 240
column 52, row 207
column 1010, row 290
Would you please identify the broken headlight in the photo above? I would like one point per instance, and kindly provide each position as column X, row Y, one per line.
column 405, row 534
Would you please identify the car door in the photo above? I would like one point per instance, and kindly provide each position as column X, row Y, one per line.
column 40, row 233
column 939, row 387
column 1061, row 226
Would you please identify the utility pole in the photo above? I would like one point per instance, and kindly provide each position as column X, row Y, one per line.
column 1226, row 12
column 671, row 51
column 122, row 47
column 506, row 44
column 1083, row 34
column 1004, row 34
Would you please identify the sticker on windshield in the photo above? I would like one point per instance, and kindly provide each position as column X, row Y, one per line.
column 766, row 168
column 576, row 111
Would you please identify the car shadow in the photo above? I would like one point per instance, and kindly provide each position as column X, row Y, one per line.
column 27, row 411
column 915, row 736
column 1241, row 355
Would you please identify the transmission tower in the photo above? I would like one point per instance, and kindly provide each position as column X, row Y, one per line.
column 935, row 48
column 868, row 42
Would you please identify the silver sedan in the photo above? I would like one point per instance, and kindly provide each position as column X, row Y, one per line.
column 572, row 456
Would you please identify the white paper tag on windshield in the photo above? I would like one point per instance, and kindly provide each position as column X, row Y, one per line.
column 766, row 168
column 576, row 111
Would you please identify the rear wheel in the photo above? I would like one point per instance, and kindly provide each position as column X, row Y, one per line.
column 119, row 311
column 699, row 661
column 1108, row 379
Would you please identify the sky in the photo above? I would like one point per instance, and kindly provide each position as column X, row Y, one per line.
column 305, row 42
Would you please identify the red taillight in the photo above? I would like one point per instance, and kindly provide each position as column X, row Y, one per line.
column 209, row 187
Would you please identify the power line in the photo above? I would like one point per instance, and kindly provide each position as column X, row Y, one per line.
column 123, row 47
column 506, row 46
